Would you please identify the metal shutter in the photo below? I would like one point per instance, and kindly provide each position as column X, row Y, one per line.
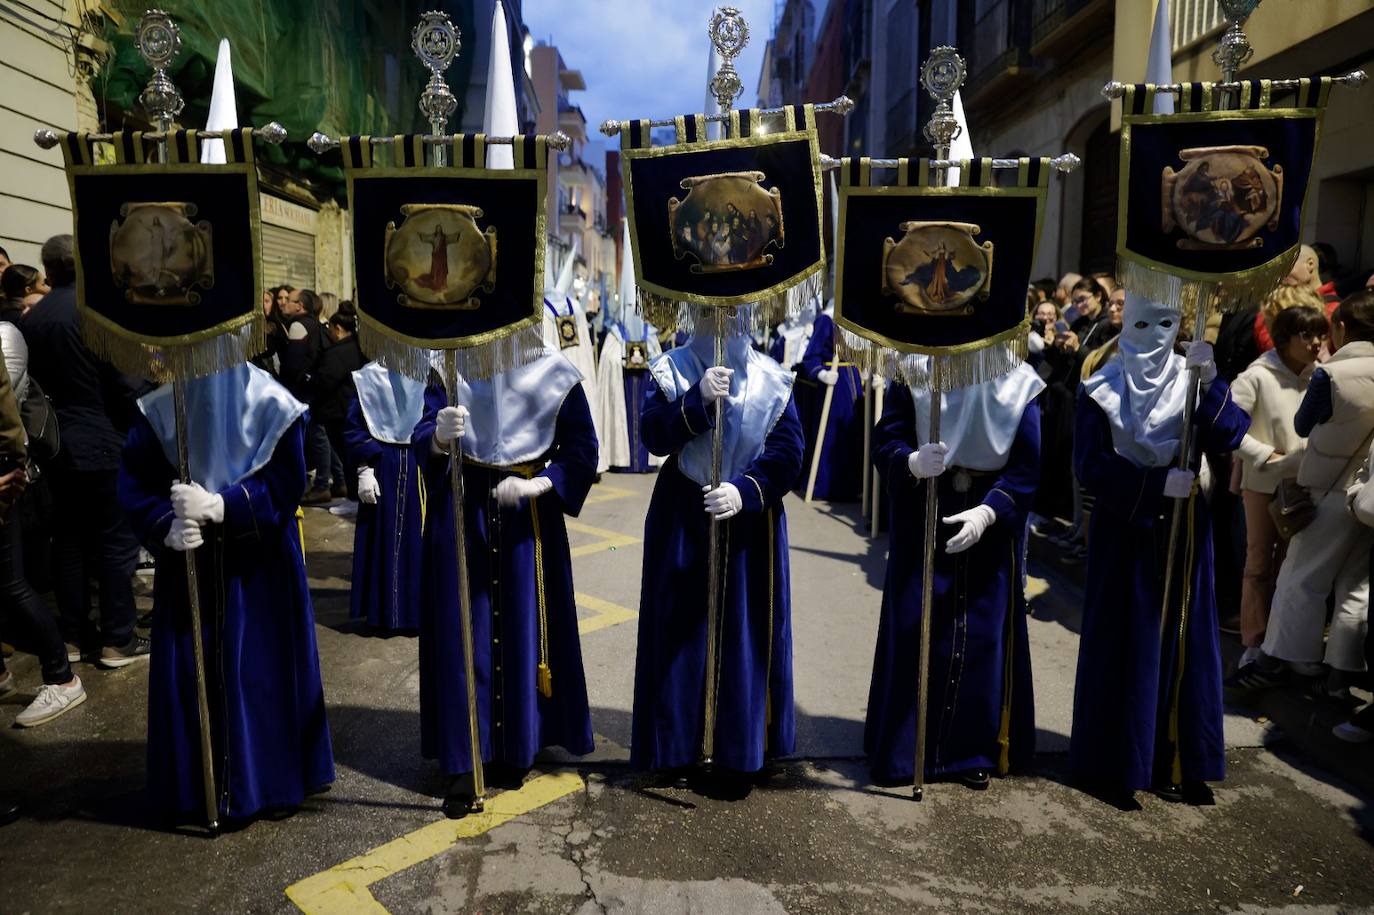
column 287, row 257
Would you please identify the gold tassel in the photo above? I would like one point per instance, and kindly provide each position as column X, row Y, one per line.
column 475, row 363
column 545, row 680
column 167, row 361
column 1226, row 294
column 958, row 369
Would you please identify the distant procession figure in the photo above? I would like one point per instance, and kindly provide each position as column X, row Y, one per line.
column 1147, row 707
column 982, row 711
column 839, row 467
column 623, row 380
column 566, row 331
column 529, row 458
column 391, row 494
column 267, row 710
column 762, row 459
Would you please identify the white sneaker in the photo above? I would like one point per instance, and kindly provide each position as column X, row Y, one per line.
column 8, row 685
column 1351, row 732
column 345, row 509
column 73, row 653
column 1251, row 653
column 52, row 702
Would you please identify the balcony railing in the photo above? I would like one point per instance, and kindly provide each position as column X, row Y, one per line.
column 998, row 46
column 1194, row 20
column 1059, row 26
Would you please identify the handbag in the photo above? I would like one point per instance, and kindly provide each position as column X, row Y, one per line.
column 40, row 425
column 1292, row 508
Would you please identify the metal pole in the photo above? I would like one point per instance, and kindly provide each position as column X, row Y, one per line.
column 875, row 499
column 865, row 505
column 729, row 33
column 158, row 41
column 826, row 403
column 436, row 41
column 455, row 477
column 1230, row 55
column 941, row 76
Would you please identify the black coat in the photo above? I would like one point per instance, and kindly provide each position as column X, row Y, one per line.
column 331, row 384
column 298, row 357
column 95, row 404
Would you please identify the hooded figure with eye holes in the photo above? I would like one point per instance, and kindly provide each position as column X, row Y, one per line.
column 1148, row 710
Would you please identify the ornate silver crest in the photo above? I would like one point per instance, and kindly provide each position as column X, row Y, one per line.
column 730, row 34
column 159, row 41
column 942, row 76
column 1234, row 51
column 436, row 41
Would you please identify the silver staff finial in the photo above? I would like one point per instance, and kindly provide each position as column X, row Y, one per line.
column 730, row 34
column 1234, row 50
column 942, row 75
column 159, row 41
column 436, row 41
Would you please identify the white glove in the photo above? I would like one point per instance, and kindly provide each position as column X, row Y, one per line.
column 368, row 488
column 715, row 384
column 928, row 460
column 723, row 502
column 184, row 535
column 975, row 521
column 1198, row 355
column 878, row 382
column 450, row 424
column 511, row 491
column 193, row 501
column 1179, row 484
column 829, row 377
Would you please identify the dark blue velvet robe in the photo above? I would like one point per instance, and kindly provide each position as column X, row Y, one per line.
column 270, row 737
column 1125, row 687
column 840, row 474
column 982, row 709
column 516, row 721
column 755, row 719
column 637, row 383
column 387, row 536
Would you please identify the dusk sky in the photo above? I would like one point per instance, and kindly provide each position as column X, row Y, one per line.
column 644, row 58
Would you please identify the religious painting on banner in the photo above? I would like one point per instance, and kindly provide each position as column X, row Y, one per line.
column 730, row 221
column 426, row 240
column 1211, row 200
column 938, row 271
column 168, row 254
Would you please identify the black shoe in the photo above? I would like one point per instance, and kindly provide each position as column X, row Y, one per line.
column 461, row 798
column 1198, row 794
column 1171, row 792
column 317, row 497
column 9, row 812
column 113, row 658
column 339, row 491
column 1252, row 679
column 505, row 777
column 679, row 779
column 974, row 779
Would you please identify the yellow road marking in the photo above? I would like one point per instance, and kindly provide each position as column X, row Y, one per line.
column 605, row 492
column 1035, row 587
column 607, row 614
column 607, row 539
column 343, row 888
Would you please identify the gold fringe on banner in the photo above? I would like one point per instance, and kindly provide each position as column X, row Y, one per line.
column 476, row 363
column 1228, row 292
column 665, row 313
column 155, row 359
column 958, row 369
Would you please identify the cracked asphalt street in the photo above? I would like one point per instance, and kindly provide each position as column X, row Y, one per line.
column 1292, row 829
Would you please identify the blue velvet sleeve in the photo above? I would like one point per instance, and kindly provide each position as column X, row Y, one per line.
column 1220, row 422
column 1316, row 404
column 267, row 500
column 820, row 351
column 145, row 485
column 668, row 425
column 894, row 436
column 572, row 461
column 773, row 474
column 1017, row 482
column 362, row 447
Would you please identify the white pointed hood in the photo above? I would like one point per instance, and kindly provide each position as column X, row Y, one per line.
column 224, row 113
column 500, row 118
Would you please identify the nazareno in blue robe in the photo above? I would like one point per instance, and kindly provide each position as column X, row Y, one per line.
column 387, row 537
column 513, row 555
column 839, row 477
column 981, row 708
column 1127, row 688
column 755, row 718
column 268, row 728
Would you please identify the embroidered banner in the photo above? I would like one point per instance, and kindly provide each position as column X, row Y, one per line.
column 731, row 221
column 938, row 271
column 1211, row 201
column 448, row 258
column 168, row 256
